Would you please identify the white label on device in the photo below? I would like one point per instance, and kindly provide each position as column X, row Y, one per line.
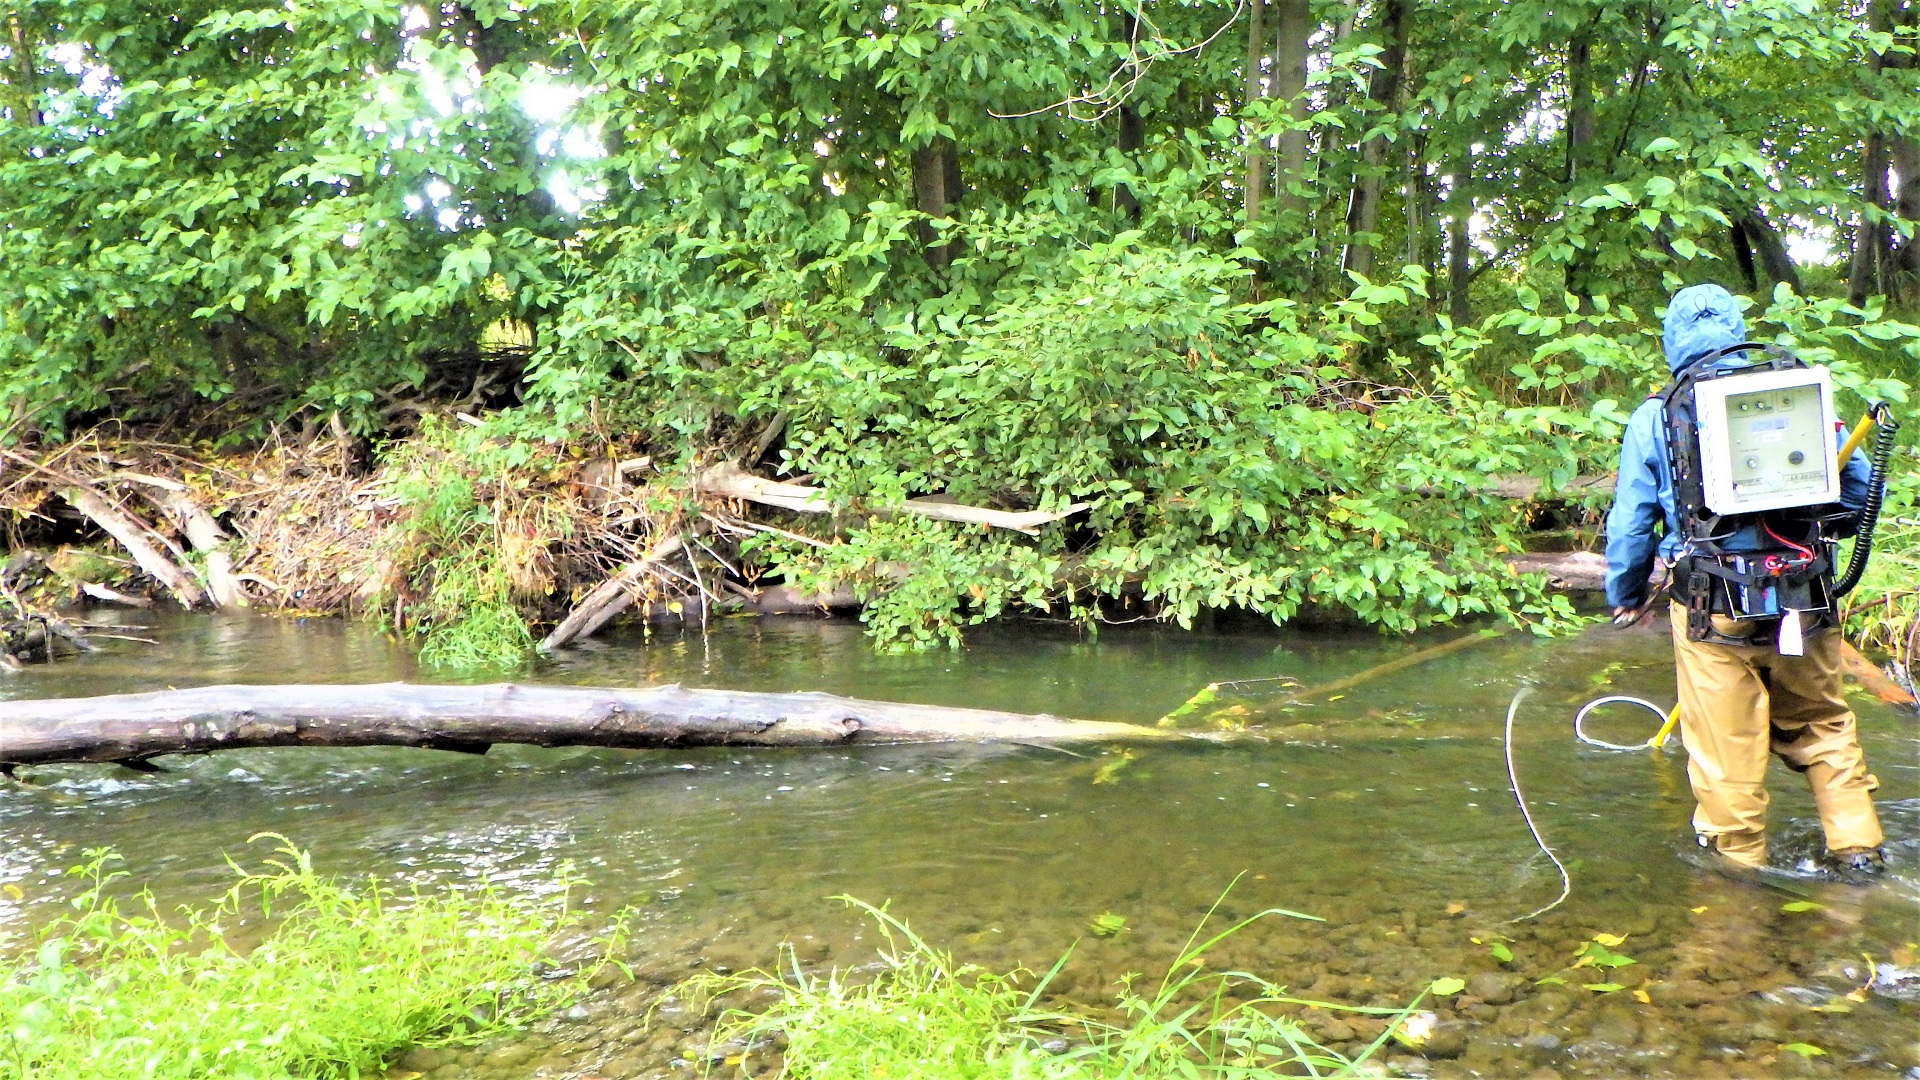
column 1792, row 643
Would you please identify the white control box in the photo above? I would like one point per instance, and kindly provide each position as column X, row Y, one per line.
column 1767, row 440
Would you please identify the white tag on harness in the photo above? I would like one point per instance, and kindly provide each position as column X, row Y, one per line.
column 1792, row 643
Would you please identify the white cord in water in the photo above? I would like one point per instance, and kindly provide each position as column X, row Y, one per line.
column 1513, row 778
column 1580, row 719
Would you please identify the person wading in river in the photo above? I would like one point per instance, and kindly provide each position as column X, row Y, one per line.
column 1743, row 692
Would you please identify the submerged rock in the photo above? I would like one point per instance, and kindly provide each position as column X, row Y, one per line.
column 1449, row 1040
column 1495, row 987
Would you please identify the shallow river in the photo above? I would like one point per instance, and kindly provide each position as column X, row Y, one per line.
column 1386, row 811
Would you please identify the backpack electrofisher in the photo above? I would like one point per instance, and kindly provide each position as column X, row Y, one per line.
column 1766, row 440
column 1750, row 441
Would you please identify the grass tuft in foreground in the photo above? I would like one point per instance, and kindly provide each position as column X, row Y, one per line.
column 345, row 978
column 923, row 1016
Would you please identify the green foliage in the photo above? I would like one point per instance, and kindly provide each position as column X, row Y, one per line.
column 924, row 1016
column 343, row 979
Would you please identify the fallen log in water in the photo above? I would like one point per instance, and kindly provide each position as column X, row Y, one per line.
column 610, row 597
column 145, row 545
column 135, row 727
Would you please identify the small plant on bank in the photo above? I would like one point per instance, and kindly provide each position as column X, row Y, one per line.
column 474, row 538
column 343, row 979
column 924, row 1016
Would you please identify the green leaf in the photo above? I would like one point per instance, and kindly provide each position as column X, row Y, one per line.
column 1595, row 954
column 1793, row 907
column 1806, row 1050
column 1662, row 145
column 1500, row 952
column 1446, row 987
column 1603, row 988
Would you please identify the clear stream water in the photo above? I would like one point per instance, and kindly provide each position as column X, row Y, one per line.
column 1385, row 811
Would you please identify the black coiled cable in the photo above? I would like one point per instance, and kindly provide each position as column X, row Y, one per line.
column 1879, row 461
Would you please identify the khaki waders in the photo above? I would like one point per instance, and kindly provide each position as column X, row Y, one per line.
column 1738, row 703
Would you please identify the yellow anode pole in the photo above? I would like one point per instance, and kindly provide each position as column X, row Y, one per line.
column 1666, row 729
column 1854, row 440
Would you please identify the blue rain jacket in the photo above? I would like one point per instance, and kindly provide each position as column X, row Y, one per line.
column 1700, row 320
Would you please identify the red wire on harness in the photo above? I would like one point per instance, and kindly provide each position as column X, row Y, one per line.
column 1804, row 551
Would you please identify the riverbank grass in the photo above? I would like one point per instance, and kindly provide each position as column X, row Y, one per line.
column 1883, row 614
column 924, row 1017
column 343, row 978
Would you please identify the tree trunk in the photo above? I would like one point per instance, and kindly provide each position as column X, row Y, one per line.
column 1866, row 274
column 1294, row 25
column 936, row 190
column 135, row 727
column 1327, row 140
column 1901, row 259
column 1256, row 172
column 26, row 81
column 1743, row 252
column 1770, row 249
column 730, row 482
column 1132, row 134
column 1416, row 197
column 203, row 534
column 1294, row 691
column 1459, row 247
column 1906, row 206
column 489, row 43
column 1132, row 137
column 1383, row 87
column 1579, row 100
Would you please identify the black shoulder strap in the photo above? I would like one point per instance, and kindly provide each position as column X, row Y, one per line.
column 1683, row 457
column 1778, row 358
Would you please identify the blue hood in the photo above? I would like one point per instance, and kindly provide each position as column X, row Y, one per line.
column 1700, row 319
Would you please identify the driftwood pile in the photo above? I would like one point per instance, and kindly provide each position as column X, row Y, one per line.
column 155, row 519
column 304, row 526
column 312, row 527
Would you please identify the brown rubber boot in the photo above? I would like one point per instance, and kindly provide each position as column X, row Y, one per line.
column 1744, row 848
column 1860, row 860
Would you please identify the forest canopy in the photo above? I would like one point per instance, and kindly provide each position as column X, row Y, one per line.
column 1278, row 288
